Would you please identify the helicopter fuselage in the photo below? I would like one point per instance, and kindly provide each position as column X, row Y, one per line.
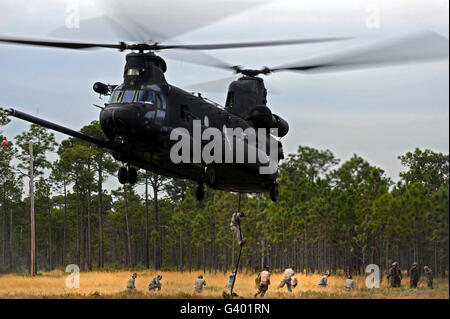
column 142, row 121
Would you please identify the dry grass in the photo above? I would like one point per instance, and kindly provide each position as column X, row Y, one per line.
column 181, row 285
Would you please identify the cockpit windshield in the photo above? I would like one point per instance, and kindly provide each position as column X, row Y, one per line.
column 146, row 96
column 116, row 96
column 128, row 96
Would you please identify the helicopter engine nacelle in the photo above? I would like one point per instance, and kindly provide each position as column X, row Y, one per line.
column 281, row 125
column 101, row 88
column 262, row 117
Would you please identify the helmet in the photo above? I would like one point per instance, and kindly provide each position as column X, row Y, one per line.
column 414, row 264
column 395, row 264
column 200, row 276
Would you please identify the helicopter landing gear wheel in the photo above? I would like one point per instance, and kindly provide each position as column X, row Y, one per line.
column 122, row 175
column 210, row 175
column 274, row 192
column 127, row 175
column 132, row 175
column 200, row 192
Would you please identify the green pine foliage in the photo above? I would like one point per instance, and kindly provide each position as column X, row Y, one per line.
column 331, row 215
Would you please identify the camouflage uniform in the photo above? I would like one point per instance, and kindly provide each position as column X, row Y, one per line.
column 199, row 283
column 394, row 276
column 131, row 282
column 287, row 279
column 235, row 226
column 230, row 280
column 155, row 283
column 414, row 276
column 264, row 284
column 324, row 280
column 350, row 283
column 429, row 274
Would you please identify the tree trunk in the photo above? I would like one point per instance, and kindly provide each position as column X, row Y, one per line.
column 50, row 248
column 82, row 234
column 181, row 252
column 147, row 248
column 100, row 217
column 78, row 244
column 127, row 227
column 63, row 258
column 4, row 226
column 156, row 226
column 89, row 235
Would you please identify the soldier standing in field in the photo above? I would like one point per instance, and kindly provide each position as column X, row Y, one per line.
column 429, row 274
column 264, row 282
column 199, row 283
column 131, row 282
column 287, row 278
column 413, row 276
column 395, row 275
column 155, row 283
column 235, row 226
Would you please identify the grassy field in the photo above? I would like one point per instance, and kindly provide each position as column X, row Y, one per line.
column 181, row 285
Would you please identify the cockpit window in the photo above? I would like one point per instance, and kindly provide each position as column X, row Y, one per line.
column 146, row 96
column 128, row 96
column 115, row 96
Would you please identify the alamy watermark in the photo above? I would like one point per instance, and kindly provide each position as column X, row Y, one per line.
column 72, row 14
column 373, row 279
column 73, row 280
column 373, row 16
column 231, row 145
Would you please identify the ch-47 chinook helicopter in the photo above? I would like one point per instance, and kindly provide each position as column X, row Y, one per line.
column 144, row 110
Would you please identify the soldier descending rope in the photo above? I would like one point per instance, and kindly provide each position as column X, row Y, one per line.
column 235, row 227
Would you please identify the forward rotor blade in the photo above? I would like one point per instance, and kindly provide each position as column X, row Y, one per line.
column 156, row 46
column 61, row 44
column 416, row 47
column 194, row 57
column 250, row 44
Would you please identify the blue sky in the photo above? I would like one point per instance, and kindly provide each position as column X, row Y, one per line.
column 375, row 113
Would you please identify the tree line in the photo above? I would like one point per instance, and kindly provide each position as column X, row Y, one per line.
column 330, row 216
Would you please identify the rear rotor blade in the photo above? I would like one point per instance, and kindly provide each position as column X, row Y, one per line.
column 251, row 44
column 221, row 86
column 416, row 47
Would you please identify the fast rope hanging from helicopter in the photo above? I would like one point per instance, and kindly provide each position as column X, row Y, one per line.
column 240, row 251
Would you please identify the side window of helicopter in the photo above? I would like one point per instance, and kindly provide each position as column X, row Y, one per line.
column 230, row 100
column 146, row 96
column 160, row 113
column 128, row 96
column 161, row 101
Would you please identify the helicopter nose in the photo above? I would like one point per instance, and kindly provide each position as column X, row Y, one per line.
column 119, row 120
